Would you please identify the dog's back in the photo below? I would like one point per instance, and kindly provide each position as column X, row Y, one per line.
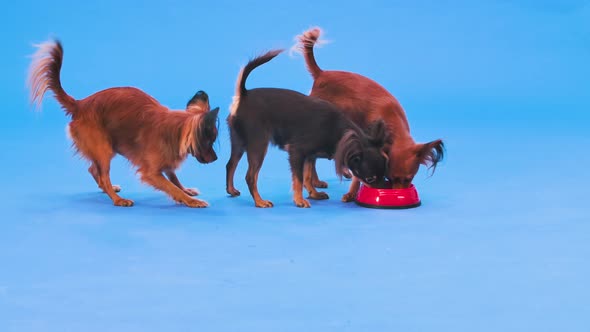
column 131, row 119
column 360, row 98
column 116, row 108
column 289, row 117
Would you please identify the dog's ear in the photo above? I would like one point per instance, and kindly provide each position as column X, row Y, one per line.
column 211, row 117
column 348, row 153
column 429, row 154
column 379, row 134
column 198, row 103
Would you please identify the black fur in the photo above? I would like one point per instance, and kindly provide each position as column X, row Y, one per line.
column 199, row 96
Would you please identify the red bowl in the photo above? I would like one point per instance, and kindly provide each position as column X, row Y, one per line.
column 388, row 198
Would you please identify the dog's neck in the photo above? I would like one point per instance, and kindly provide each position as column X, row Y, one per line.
column 347, row 125
column 188, row 141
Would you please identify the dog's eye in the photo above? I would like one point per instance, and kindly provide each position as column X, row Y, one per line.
column 355, row 160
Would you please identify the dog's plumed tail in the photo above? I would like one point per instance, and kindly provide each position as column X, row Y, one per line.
column 307, row 41
column 252, row 64
column 44, row 74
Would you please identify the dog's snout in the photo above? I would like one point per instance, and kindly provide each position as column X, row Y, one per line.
column 371, row 179
column 211, row 157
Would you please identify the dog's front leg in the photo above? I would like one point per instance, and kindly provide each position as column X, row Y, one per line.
column 352, row 190
column 297, row 162
column 174, row 179
column 158, row 181
column 308, row 171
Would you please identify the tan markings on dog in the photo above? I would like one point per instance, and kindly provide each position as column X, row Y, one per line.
column 234, row 105
column 308, row 182
column 298, row 194
column 236, row 98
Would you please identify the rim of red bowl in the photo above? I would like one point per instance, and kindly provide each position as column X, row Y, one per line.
column 411, row 188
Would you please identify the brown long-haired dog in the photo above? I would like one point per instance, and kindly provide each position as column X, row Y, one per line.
column 364, row 101
column 131, row 123
column 305, row 127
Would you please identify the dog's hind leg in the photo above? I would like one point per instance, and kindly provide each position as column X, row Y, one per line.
column 352, row 190
column 95, row 146
column 104, row 168
column 174, row 179
column 308, row 170
column 256, row 155
column 297, row 161
column 237, row 151
column 315, row 180
column 93, row 170
column 158, row 181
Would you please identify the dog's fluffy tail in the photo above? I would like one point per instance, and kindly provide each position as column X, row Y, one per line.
column 44, row 74
column 252, row 64
column 307, row 40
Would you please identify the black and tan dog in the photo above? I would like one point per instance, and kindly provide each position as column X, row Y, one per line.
column 306, row 127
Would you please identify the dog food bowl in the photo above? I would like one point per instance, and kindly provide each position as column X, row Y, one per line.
column 389, row 198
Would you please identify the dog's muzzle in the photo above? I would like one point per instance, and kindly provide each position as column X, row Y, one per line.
column 371, row 179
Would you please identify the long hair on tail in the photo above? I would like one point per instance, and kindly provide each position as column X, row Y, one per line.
column 44, row 74
column 305, row 43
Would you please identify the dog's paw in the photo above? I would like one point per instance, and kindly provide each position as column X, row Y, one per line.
column 195, row 203
column 348, row 197
column 116, row 188
column 318, row 195
column 263, row 204
column 233, row 192
column 302, row 203
column 191, row 192
column 123, row 202
column 320, row 184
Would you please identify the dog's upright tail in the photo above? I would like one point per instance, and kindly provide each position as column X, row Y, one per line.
column 44, row 74
column 307, row 40
column 252, row 64
column 243, row 76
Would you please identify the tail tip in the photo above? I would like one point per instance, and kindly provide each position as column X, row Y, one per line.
column 275, row 52
column 311, row 35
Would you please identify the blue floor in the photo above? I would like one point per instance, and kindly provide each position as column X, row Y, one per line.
column 501, row 242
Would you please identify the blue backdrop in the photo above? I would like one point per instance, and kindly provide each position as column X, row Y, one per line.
column 501, row 242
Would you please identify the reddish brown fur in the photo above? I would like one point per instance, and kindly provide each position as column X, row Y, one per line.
column 364, row 101
column 129, row 122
